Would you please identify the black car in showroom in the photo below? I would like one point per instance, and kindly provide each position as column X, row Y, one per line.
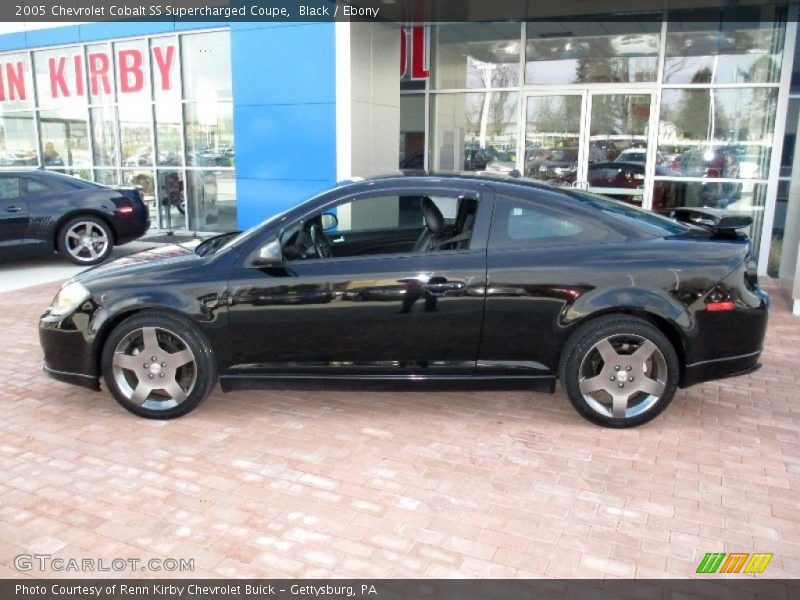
column 495, row 279
column 80, row 219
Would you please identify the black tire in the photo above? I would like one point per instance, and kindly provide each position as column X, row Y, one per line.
column 68, row 244
column 172, row 329
column 581, row 361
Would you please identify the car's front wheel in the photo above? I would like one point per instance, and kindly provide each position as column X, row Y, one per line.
column 85, row 240
column 158, row 366
column 619, row 371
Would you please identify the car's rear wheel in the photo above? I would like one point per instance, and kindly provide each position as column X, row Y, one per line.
column 158, row 366
column 85, row 240
column 619, row 371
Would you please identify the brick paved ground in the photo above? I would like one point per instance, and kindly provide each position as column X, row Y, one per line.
column 486, row 484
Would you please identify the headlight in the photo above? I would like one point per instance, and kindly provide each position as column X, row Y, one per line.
column 70, row 297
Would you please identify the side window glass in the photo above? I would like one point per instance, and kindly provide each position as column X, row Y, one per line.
column 9, row 188
column 35, row 188
column 519, row 224
column 390, row 224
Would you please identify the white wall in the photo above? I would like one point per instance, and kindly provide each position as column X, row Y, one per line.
column 367, row 99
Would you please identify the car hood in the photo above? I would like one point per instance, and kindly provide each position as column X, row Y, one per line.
column 134, row 264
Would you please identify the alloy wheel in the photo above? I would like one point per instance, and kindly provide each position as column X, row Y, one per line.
column 154, row 368
column 623, row 376
column 86, row 241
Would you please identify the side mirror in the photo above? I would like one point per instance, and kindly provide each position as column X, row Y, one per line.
column 328, row 221
column 269, row 255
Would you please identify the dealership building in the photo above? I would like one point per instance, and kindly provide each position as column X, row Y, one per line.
column 225, row 124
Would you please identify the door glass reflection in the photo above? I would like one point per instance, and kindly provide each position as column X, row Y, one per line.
column 552, row 133
column 617, row 153
column 172, row 199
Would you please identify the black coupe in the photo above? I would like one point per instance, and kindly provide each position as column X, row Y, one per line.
column 80, row 219
column 425, row 278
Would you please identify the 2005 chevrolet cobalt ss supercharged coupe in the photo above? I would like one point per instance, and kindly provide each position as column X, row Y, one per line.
column 425, row 278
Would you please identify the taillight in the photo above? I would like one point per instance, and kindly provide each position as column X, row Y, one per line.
column 720, row 299
column 124, row 207
column 720, row 306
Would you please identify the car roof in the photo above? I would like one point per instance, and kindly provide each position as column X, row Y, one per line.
column 39, row 173
column 408, row 178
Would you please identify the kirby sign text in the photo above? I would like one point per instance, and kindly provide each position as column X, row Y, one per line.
column 67, row 78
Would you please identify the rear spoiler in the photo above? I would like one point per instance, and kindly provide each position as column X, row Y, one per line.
column 713, row 219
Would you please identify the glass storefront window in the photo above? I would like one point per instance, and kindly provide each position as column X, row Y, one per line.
column 789, row 137
column 172, row 198
column 100, row 71
column 60, row 78
column 778, row 225
column 136, row 135
column 106, row 176
column 590, row 52
column 475, row 55
column 164, row 67
column 412, row 131
column 717, row 132
column 104, row 137
column 18, row 139
column 552, row 132
column 206, row 61
column 132, row 68
column 473, row 130
column 168, row 133
column 719, row 51
column 211, row 199
column 64, row 138
column 209, row 134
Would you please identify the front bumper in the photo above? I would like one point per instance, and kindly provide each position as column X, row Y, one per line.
column 90, row 382
column 67, row 347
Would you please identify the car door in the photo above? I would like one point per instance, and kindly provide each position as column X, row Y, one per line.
column 14, row 214
column 543, row 252
column 397, row 312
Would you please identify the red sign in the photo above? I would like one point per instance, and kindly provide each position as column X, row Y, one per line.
column 419, row 69
column 66, row 74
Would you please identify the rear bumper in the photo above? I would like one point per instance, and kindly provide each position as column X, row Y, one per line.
column 719, row 368
column 131, row 228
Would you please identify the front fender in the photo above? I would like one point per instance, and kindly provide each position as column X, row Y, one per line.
column 208, row 312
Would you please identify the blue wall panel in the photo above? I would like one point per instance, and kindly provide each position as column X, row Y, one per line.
column 267, row 197
column 284, row 115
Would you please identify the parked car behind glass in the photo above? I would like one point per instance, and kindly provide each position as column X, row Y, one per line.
column 80, row 219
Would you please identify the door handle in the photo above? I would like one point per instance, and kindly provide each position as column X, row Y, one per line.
column 338, row 240
column 442, row 287
column 14, row 209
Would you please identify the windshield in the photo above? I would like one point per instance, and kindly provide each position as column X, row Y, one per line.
column 249, row 233
column 256, row 229
column 564, row 155
column 640, row 216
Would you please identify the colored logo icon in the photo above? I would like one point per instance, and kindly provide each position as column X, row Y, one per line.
column 735, row 562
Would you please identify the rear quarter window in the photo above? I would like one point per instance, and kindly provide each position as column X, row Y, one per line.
column 528, row 224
